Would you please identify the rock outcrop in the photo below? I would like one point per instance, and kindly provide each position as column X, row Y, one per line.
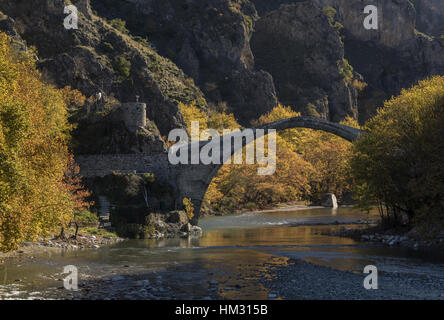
column 329, row 200
column 303, row 52
column 430, row 16
column 99, row 58
column 394, row 56
column 210, row 41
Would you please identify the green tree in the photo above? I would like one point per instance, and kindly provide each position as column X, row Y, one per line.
column 122, row 66
column 398, row 161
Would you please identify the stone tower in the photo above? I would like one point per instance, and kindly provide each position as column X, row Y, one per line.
column 134, row 115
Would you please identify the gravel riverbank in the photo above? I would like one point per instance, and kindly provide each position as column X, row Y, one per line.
column 395, row 237
column 28, row 250
column 303, row 280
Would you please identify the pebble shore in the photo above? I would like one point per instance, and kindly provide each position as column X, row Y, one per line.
column 393, row 238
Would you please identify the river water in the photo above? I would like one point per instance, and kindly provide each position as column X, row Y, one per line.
column 233, row 253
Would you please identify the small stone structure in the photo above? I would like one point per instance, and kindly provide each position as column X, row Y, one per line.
column 134, row 115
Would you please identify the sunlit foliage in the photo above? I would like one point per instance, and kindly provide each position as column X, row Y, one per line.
column 399, row 160
column 189, row 208
column 309, row 163
column 36, row 194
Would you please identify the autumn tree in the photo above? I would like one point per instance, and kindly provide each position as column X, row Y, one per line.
column 35, row 197
column 309, row 163
column 325, row 154
column 398, row 163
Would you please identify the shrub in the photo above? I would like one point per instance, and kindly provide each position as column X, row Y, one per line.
column 149, row 177
column 86, row 218
column 330, row 12
column 189, row 208
column 120, row 25
column 108, row 47
column 143, row 41
column 347, row 70
column 122, row 66
column 359, row 85
column 398, row 161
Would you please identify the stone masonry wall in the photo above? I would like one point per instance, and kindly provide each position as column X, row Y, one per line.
column 105, row 164
column 134, row 115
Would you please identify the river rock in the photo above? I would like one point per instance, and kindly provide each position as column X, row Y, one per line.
column 142, row 283
column 118, row 278
column 195, row 230
column 186, row 228
column 329, row 200
column 179, row 217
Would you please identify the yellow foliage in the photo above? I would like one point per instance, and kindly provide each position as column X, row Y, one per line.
column 191, row 113
column 398, row 161
column 35, row 199
column 309, row 163
column 189, row 208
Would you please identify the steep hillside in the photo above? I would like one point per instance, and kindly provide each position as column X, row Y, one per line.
column 99, row 58
column 430, row 16
column 218, row 43
column 303, row 51
column 250, row 54
column 210, row 41
column 393, row 57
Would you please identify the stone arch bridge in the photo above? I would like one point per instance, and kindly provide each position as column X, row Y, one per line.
column 192, row 180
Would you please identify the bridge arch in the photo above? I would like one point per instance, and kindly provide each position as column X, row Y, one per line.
column 193, row 180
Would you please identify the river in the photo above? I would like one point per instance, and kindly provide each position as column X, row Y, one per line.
column 238, row 257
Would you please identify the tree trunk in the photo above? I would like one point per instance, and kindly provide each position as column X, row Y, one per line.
column 77, row 230
column 62, row 233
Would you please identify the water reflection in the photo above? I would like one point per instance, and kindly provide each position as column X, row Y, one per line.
column 233, row 252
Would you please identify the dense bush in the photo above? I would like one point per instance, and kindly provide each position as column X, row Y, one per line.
column 399, row 160
column 123, row 67
column 120, row 25
column 40, row 188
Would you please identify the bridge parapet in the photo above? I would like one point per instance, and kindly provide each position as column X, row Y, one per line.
column 100, row 165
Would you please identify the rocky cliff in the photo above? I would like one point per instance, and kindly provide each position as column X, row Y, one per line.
column 97, row 57
column 397, row 55
column 303, row 51
column 430, row 16
column 250, row 54
column 241, row 51
column 210, row 41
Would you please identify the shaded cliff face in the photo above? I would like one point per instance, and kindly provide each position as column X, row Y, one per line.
column 430, row 16
column 210, row 41
column 98, row 58
column 396, row 17
column 393, row 57
column 251, row 54
column 303, row 52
